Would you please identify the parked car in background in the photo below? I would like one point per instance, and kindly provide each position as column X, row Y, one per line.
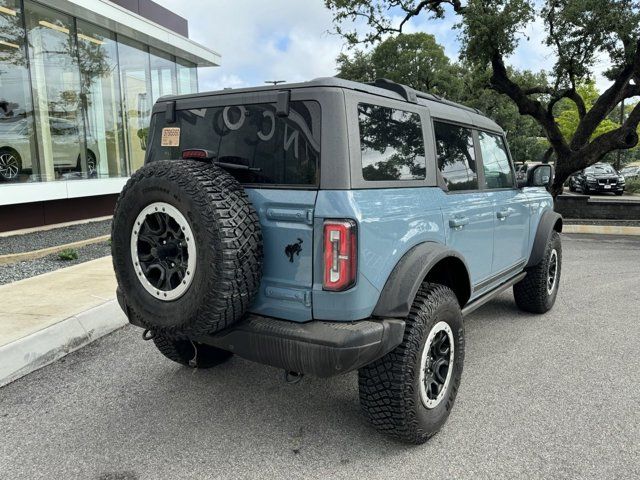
column 631, row 172
column 16, row 143
column 598, row 178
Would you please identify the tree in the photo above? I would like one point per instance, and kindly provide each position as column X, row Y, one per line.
column 414, row 59
column 577, row 31
column 419, row 61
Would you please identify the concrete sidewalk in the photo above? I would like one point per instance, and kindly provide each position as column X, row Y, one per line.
column 45, row 317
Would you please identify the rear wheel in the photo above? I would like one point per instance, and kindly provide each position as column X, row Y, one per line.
column 537, row 292
column 410, row 392
column 10, row 164
column 191, row 354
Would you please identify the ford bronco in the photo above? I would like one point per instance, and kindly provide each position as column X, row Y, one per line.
column 332, row 226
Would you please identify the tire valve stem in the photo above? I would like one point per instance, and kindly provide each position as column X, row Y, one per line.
column 292, row 377
column 148, row 335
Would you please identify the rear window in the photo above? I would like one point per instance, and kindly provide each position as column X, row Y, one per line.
column 282, row 150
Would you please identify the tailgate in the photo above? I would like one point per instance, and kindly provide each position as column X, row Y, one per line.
column 286, row 218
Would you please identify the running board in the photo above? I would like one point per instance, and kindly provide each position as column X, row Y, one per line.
column 481, row 300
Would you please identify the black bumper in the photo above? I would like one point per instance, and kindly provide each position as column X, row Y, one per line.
column 602, row 188
column 317, row 348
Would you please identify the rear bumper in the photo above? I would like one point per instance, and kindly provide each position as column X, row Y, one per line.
column 317, row 348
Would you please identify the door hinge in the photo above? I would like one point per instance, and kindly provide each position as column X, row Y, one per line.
column 289, row 294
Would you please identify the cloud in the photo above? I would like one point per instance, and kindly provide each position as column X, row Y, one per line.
column 290, row 40
column 258, row 40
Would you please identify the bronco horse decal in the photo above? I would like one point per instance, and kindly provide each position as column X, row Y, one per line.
column 293, row 249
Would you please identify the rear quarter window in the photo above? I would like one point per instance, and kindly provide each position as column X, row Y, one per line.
column 280, row 150
column 391, row 144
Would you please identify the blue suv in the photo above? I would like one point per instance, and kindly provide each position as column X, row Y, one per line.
column 331, row 226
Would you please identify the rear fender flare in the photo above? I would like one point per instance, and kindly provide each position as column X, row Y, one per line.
column 403, row 283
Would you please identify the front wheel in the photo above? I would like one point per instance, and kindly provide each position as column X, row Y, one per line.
column 191, row 354
column 537, row 292
column 10, row 164
column 409, row 393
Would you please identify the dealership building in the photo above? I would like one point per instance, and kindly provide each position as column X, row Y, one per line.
column 78, row 79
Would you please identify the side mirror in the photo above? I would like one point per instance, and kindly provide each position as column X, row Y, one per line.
column 540, row 176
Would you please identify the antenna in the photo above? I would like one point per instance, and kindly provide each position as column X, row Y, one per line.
column 274, row 82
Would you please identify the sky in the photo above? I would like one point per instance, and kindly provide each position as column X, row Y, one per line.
column 291, row 40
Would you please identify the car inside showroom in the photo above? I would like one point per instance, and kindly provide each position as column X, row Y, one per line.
column 77, row 83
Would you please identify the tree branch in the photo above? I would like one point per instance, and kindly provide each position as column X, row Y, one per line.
column 621, row 138
column 607, row 102
column 501, row 82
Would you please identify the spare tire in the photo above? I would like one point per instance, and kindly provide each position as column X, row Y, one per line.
column 186, row 247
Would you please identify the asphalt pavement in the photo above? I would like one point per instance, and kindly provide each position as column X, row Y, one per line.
column 551, row 396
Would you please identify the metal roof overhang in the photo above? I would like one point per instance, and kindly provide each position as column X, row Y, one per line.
column 132, row 25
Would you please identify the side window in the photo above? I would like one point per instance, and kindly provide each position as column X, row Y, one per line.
column 495, row 161
column 456, row 156
column 391, row 144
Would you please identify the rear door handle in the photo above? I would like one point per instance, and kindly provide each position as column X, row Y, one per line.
column 502, row 214
column 458, row 222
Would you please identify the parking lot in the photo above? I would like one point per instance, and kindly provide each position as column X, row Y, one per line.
column 553, row 396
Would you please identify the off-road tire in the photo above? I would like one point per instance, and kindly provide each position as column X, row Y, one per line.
column 531, row 293
column 390, row 387
column 191, row 354
column 227, row 235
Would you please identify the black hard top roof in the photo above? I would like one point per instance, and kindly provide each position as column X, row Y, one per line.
column 382, row 87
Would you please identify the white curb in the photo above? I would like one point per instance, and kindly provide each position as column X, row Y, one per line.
column 601, row 229
column 54, row 342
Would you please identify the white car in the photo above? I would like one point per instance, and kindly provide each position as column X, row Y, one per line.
column 16, row 141
column 632, row 172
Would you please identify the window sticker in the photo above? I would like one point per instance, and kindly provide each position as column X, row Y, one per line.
column 170, row 137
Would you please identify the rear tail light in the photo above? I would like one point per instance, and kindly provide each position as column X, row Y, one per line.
column 340, row 254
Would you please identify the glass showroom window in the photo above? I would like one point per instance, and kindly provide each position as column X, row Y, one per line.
column 136, row 92
column 55, row 79
column 187, row 77
column 101, row 104
column 163, row 74
column 17, row 138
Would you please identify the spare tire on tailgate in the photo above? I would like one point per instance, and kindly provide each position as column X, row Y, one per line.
column 186, row 247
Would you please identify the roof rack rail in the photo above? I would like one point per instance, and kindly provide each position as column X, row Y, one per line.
column 411, row 95
column 408, row 93
column 439, row 99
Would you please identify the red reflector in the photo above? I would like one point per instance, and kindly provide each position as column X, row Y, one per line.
column 340, row 254
column 195, row 153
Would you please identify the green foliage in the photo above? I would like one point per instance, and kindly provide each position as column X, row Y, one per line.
column 633, row 186
column 67, row 255
column 567, row 115
column 413, row 59
column 419, row 61
column 494, row 26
